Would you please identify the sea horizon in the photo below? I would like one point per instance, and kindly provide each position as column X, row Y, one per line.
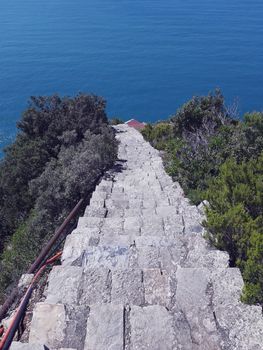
column 145, row 58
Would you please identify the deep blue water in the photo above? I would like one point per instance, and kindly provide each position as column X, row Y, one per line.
column 145, row 57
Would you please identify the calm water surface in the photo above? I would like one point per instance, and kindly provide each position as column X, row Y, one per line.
column 145, row 57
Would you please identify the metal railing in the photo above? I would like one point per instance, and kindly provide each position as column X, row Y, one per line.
column 38, row 266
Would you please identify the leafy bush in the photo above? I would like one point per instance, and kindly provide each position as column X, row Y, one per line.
column 116, row 121
column 234, row 220
column 43, row 130
column 158, row 134
column 218, row 158
column 63, row 147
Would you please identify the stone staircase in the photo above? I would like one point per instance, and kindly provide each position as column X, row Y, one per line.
column 136, row 273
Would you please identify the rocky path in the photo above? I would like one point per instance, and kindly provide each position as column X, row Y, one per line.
column 137, row 273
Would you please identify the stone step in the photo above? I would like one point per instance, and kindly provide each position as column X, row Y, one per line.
column 123, row 257
column 200, row 253
column 105, row 327
column 210, row 300
column 92, row 222
column 81, row 239
column 151, row 327
column 116, row 203
column 74, row 285
column 138, row 219
column 58, row 326
column 95, row 212
column 26, row 346
column 116, row 327
column 76, row 243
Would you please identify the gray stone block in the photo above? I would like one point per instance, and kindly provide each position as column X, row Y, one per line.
column 105, row 327
column 95, row 286
column 132, row 212
column 95, row 212
column 64, row 285
column 157, row 287
column 117, row 203
column 167, row 210
column 114, row 212
column 116, row 239
column 194, row 299
column 157, row 241
column 113, row 224
column 152, row 226
column 26, row 346
column 107, row 257
column 132, row 225
column 92, row 222
column 127, row 287
column 76, row 244
column 170, row 257
column 48, row 325
column 148, row 257
column 202, row 255
column 151, row 328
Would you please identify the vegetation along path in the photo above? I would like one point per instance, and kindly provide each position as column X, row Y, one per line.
column 137, row 273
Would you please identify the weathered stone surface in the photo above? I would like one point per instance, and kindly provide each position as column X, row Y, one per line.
column 170, row 257
column 152, row 225
column 76, row 244
column 191, row 287
column 157, row 287
column 95, row 286
column 114, row 212
column 48, row 325
column 148, row 257
column 127, row 287
column 202, row 255
column 105, row 327
column 64, row 285
column 25, row 346
column 193, row 298
column 117, row 203
column 155, row 241
column 107, row 257
column 151, row 328
column 93, row 222
column 96, row 212
column 167, row 211
column 116, row 239
column 25, row 280
column 132, row 225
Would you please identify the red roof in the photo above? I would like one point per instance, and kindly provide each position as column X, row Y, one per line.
column 135, row 124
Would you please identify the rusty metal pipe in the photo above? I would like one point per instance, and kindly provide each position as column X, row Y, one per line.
column 42, row 256
column 54, row 239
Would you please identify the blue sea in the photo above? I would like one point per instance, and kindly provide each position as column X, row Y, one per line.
column 146, row 57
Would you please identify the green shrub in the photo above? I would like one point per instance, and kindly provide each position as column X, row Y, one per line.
column 234, row 220
column 63, row 148
column 116, row 121
column 44, row 128
column 158, row 134
column 218, row 158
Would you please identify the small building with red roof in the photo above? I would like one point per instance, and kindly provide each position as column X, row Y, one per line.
column 135, row 124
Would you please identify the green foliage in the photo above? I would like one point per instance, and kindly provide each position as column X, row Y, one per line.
column 17, row 255
column 201, row 117
column 63, row 147
column 234, row 220
column 158, row 134
column 116, row 121
column 218, row 158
